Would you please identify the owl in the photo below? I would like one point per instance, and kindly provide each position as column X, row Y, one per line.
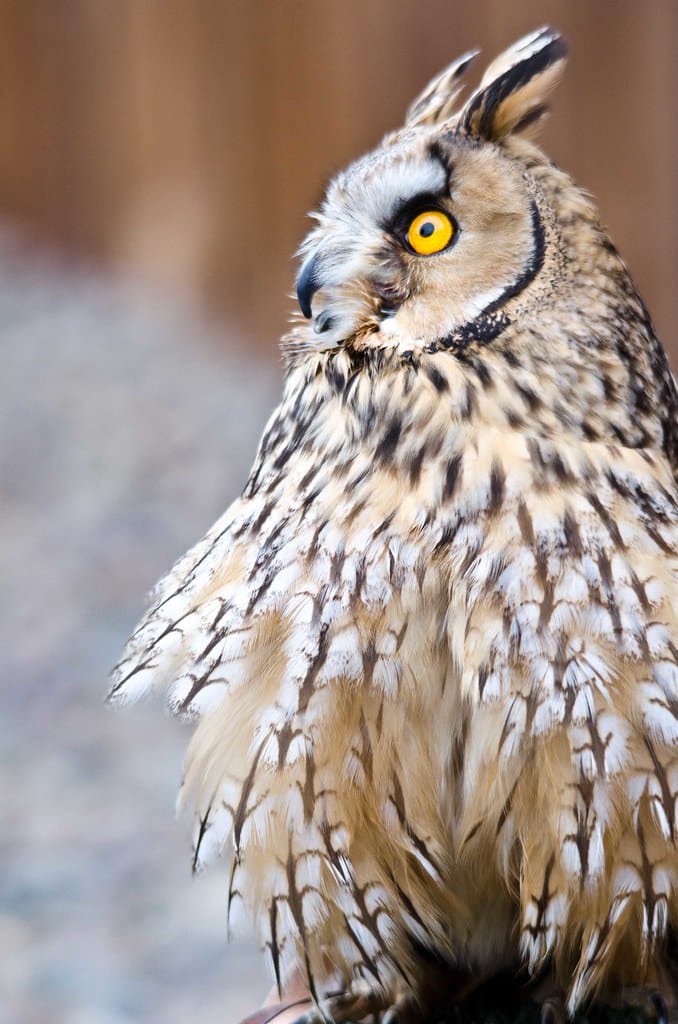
column 431, row 653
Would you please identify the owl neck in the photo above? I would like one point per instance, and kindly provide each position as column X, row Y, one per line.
column 567, row 377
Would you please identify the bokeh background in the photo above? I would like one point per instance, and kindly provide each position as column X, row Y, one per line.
column 157, row 158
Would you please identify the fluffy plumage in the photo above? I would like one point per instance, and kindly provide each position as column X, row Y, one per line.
column 432, row 651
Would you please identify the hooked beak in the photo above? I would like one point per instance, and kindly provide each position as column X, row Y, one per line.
column 308, row 284
column 312, row 278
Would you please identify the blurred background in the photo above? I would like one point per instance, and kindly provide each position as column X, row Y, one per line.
column 157, row 159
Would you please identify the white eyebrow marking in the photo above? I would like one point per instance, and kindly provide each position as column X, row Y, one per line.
column 404, row 181
column 376, row 192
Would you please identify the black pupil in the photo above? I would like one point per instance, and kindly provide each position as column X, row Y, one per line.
column 427, row 229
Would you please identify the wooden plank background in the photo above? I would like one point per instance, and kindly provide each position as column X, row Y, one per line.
column 185, row 139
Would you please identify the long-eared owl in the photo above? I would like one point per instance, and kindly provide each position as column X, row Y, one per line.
column 432, row 650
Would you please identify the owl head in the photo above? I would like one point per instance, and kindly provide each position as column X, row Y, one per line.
column 445, row 224
column 458, row 239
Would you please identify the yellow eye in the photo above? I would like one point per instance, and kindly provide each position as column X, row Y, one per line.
column 430, row 232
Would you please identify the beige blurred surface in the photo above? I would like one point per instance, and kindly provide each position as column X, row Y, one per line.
column 187, row 140
column 127, row 424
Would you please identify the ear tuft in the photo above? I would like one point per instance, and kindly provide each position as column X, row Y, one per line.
column 436, row 102
column 513, row 90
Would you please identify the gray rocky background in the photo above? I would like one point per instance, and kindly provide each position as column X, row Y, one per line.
column 126, row 426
